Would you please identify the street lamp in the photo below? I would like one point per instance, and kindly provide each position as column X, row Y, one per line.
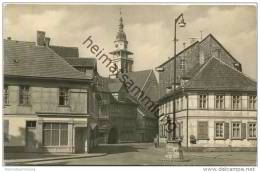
column 181, row 24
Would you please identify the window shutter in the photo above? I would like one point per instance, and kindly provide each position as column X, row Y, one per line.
column 226, row 131
column 203, row 130
column 243, row 131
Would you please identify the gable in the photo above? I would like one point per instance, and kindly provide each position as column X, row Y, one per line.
column 211, row 47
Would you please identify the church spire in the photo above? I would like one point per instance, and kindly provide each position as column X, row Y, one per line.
column 121, row 53
column 121, row 36
column 121, row 25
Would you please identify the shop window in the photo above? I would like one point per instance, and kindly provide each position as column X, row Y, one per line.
column 55, row 134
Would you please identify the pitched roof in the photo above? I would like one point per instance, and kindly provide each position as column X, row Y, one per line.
column 65, row 51
column 140, row 77
column 216, row 75
column 81, row 62
column 209, row 36
column 178, row 55
column 26, row 59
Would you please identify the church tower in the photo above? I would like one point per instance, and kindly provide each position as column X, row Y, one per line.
column 121, row 54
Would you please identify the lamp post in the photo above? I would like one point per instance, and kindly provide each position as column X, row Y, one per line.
column 181, row 24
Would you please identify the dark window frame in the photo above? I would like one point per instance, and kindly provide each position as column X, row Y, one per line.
column 251, row 105
column 236, row 102
column 223, row 130
column 24, row 95
column 254, row 130
column 240, row 130
column 202, row 101
column 64, row 97
column 220, row 101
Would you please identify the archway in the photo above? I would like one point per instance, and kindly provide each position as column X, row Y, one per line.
column 113, row 136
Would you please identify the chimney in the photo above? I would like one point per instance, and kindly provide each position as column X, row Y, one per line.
column 47, row 41
column 40, row 38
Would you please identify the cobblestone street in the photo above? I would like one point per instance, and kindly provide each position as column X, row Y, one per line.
column 145, row 154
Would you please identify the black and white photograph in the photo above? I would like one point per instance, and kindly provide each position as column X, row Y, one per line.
column 129, row 84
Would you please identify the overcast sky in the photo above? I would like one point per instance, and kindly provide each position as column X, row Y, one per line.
column 149, row 29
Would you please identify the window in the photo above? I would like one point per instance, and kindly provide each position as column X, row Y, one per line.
column 202, row 130
column 203, row 101
column 182, row 65
column 252, row 130
column 30, row 124
column 220, row 102
column 219, row 130
column 55, row 134
column 236, row 130
column 63, row 96
column 251, row 102
column 6, row 130
column 6, row 95
column 24, row 95
column 236, row 102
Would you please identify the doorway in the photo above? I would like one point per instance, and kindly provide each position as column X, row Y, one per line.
column 79, row 140
column 113, row 136
column 31, row 141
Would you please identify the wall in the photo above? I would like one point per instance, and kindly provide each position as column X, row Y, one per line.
column 44, row 100
column 123, row 117
column 211, row 115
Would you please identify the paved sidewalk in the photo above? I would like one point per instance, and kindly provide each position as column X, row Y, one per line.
column 22, row 158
